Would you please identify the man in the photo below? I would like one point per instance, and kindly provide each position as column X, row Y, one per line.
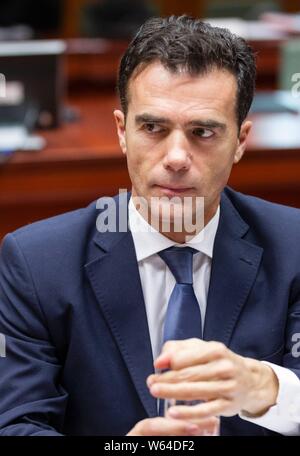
column 85, row 310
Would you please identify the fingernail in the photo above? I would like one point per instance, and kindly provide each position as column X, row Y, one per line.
column 149, row 382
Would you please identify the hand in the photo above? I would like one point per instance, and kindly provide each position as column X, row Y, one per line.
column 209, row 371
column 173, row 427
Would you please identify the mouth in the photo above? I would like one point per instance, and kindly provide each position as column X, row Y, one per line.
column 174, row 190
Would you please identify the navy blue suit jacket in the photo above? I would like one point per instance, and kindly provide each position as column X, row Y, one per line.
column 78, row 349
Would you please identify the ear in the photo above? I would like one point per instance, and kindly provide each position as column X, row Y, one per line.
column 120, row 123
column 244, row 133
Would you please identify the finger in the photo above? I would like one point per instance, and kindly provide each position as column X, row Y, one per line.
column 206, row 426
column 174, row 345
column 215, row 370
column 215, row 407
column 163, row 361
column 171, row 347
column 194, row 390
column 197, row 352
column 164, row 426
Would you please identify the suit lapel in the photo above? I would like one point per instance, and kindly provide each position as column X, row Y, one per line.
column 234, row 268
column 115, row 279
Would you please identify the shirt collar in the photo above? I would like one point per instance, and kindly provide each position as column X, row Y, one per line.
column 148, row 241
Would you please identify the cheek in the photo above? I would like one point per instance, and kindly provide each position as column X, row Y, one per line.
column 217, row 166
column 139, row 166
column 140, row 157
column 221, row 173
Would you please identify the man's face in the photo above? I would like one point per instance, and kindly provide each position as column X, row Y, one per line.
column 181, row 135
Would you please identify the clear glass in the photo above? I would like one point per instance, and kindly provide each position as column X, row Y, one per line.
column 208, row 431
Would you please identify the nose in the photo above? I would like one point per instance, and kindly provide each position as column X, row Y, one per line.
column 177, row 155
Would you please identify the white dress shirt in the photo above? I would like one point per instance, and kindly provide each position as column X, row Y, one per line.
column 157, row 285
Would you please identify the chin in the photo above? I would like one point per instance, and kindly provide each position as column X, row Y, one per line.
column 183, row 216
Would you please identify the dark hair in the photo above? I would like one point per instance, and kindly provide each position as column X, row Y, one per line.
column 184, row 42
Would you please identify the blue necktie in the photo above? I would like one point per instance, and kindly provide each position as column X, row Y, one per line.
column 183, row 317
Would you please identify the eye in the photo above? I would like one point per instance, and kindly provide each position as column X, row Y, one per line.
column 152, row 127
column 203, row 132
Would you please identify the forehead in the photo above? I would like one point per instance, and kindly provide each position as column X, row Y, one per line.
column 164, row 92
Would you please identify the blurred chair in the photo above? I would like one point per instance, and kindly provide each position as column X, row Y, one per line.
column 289, row 64
column 34, row 80
column 245, row 9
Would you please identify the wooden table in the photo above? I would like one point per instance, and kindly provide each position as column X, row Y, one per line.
column 82, row 161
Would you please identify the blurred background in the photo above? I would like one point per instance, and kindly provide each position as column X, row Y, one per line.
column 58, row 65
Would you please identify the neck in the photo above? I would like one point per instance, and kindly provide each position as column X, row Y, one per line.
column 183, row 236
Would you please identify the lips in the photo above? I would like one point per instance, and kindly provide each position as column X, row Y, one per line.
column 173, row 190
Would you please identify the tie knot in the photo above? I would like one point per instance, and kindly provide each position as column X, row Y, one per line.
column 180, row 262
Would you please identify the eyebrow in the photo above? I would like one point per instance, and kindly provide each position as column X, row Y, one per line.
column 144, row 118
column 209, row 123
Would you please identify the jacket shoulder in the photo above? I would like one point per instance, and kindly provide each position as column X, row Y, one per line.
column 59, row 227
column 266, row 216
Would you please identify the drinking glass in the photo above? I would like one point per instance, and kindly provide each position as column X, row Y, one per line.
column 209, row 431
